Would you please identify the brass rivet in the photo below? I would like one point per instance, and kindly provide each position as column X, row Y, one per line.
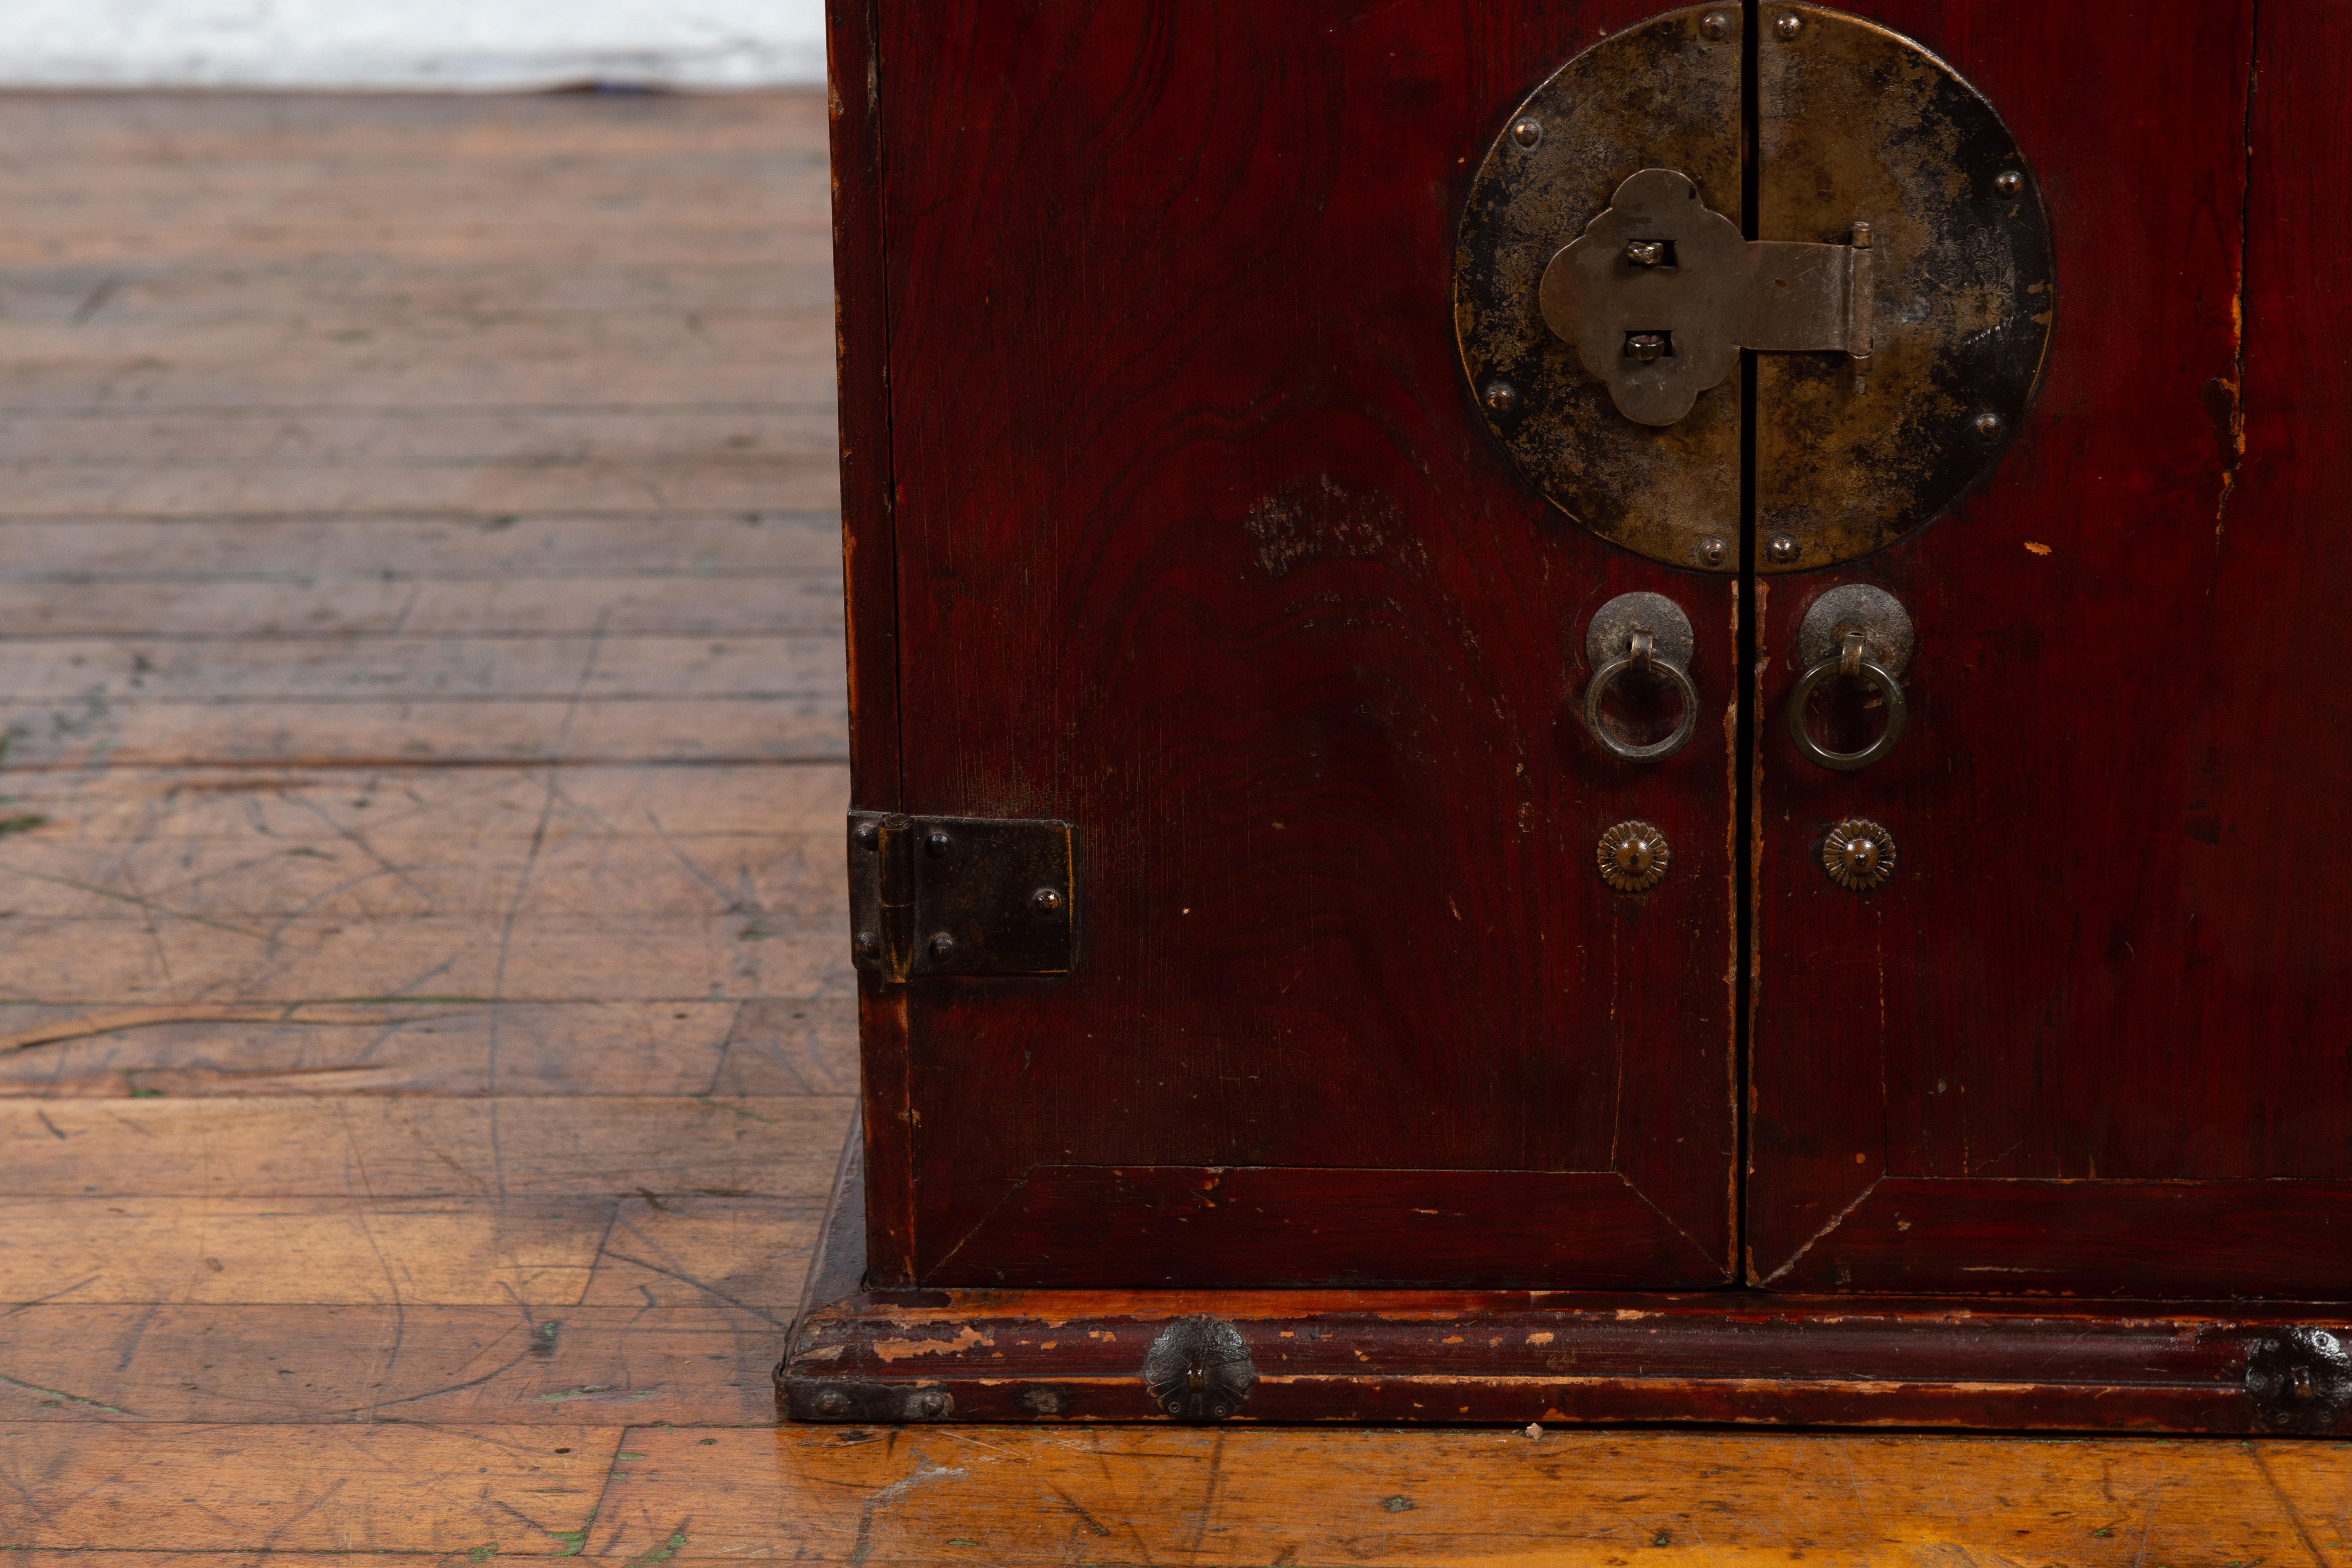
column 1500, row 397
column 1526, row 132
column 1790, row 24
column 1715, row 26
column 1782, row 549
column 1989, row 425
column 936, row 845
column 2009, row 181
column 1633, row 856
column 1714, row 552
column 1858, row 854
column 1046, row 900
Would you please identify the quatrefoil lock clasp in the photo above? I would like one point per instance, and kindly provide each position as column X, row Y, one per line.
column 1660, row 293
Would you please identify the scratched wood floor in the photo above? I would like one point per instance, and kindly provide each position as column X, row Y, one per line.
column 424, row 1036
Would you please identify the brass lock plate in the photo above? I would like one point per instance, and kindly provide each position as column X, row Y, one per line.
column 1663, row 95
column 1893, row 287
column 1660, row 294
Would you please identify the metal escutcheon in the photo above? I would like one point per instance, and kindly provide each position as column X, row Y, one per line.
column 1860, row 633
column 1897, row 318
column 1649, row 634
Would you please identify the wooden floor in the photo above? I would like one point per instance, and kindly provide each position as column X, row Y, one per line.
column 425, row 1027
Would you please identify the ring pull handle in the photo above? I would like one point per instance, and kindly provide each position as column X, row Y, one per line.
column 1648, row 634
column 1855, row 633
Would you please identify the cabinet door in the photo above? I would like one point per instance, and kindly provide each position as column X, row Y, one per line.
column 1201, row 547
column 2094, row 1035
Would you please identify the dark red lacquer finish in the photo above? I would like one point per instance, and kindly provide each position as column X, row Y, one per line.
column 1169, row 517
column 1504, row 1356
column 2096, row 1036
column 1200, row 549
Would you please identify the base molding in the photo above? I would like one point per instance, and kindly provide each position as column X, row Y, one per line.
column 1516, row 1357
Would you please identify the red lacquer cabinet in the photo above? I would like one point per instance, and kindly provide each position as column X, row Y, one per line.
column 1571, row 713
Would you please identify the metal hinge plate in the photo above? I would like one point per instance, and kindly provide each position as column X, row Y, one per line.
column 961, row 895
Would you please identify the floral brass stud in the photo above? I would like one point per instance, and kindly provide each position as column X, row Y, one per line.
column 1858, row 854
column 1633, row 856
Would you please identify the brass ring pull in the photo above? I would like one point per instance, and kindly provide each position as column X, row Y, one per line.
column 1640, row 653
column 1850, row 660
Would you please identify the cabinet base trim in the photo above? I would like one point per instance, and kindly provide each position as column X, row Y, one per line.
column 1554, row 1357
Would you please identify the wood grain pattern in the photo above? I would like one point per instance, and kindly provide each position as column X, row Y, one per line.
column 1499, row 1497
column 862, row 330
column 383, row 1311
column 769, row 1046
column 1595, row 1500
column 755, row 603
column 678, row 1249
column 862, row 1352
column 401, row 1146
column 532, row 1491
column 870, row 543
column 1270, row 620
column 511, row 549
column 2078, row 990
column 931, row 1496
column 1193, row 1225
column 2177, row 1238
column 440, row 1366
column 256, row 1175
column 1507, row 1358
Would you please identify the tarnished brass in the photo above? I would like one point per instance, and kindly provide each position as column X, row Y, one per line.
column 1850, row 660
column 1855, row 122
column 1858, row 854
column 960, row 895
column 1633, row 856
column 1884, row 624
column 1897, row 284
column 2300, row 1379
column 1659, row 295
column 1199, row 1368
column 1666, row 94
column 1862, row 635
column 1644, row 637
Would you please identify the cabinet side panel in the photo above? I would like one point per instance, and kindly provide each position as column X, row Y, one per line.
column 861, row 324
column 869, row 569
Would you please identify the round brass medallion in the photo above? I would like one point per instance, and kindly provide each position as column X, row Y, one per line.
column 1633, row 856
column 1858, row 854
column 1897, row 314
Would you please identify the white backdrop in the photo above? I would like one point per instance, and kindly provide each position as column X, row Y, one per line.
column 410, row 43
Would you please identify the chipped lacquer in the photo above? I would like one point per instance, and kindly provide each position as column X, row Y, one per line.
column 1511, row 1357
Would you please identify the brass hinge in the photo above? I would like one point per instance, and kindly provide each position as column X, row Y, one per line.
column 961, row 895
